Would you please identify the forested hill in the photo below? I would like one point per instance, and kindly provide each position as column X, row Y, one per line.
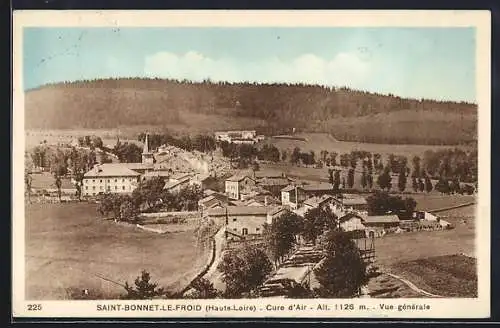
column 272, row 108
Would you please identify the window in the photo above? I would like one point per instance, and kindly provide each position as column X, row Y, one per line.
column 257, row 229
column 123, row 180
column 86, row 187
column 109, row 180
column 93, row 187
column 123, row 187
column 116, row 187
column 244, row 231
column 234, row 220
column 116, row 180
column 101, row 188
column 93, row 180
column 109, row 188
column 100, row 181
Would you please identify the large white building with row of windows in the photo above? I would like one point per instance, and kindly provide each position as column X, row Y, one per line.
column 117, row 177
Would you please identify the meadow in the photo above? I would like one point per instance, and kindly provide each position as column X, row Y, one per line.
column 69, row 248
column 433, row 260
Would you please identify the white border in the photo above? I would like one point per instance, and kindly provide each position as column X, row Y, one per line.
column 440, row 308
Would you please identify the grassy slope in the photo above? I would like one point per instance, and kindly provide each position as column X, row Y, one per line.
column 66, row 244
column 450, row 275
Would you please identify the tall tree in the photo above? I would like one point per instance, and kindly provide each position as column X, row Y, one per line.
column 416, row 167
column 443, row 186
column 27, row 183
column 421, row 185
column 402, row 179
column 364, row 181
column 144, row 289
column 343, row 271
column 280, row 236
column 243, row 269
column 369, row 180
column 336, row 180
column 350, row 178
column 414, row 183
column 428, row 184
column 384, row 180
column 317, row 221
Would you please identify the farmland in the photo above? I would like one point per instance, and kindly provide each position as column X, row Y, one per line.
column 449, row 275
column 69, row 248
column 321, row 141
column 430, row 259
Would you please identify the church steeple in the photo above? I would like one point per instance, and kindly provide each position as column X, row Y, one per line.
column 147, row 155
column 146, row 145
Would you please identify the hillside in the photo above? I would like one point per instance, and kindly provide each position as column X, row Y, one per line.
column 271, row 108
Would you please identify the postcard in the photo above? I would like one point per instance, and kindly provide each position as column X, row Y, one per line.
column 277, row 164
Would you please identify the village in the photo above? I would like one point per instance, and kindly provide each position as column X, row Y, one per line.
column 234, row 208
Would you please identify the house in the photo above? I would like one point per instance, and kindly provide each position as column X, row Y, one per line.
column 156, row 174
column 213, row 200
column 245, row 136
column 273, row 184
column 378, row 225
column 351, row 222
column 314, row 202
column 244, row 220
column 177, row 183
column 293, row 196
column 352, row 202
column 110, row 178
column 238, row 184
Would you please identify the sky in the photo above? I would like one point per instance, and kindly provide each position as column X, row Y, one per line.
column 431, row 63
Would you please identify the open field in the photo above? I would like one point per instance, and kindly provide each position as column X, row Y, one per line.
column 323, row 141
column 429, row 258
column 409, row 246
column 68, row 248
column 434, row 201
column 46, row 181
column 449, row 275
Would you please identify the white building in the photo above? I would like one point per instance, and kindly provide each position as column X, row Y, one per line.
column 117, row 177
column 110, row 178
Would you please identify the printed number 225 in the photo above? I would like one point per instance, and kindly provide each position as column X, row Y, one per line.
column 34, row 307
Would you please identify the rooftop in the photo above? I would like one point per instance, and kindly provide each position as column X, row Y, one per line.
column 381, row 219
column 112, row 170
column 157, row 173
column 241, row 210
column 274, row 181
column 237, row 177
column 317, row 187
column 316, row 201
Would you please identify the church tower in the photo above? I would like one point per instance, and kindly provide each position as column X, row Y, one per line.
column 147, row 155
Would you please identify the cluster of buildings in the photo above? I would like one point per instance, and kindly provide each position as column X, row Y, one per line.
column 125, row 177
column 252, row 200
column 239, row 137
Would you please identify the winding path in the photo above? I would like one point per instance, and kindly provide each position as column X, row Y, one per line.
column 412, row 286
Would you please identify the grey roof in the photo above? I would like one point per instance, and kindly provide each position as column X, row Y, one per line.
column 317, row 187
column 381, row 219
column 240, row 210
column 111, row 170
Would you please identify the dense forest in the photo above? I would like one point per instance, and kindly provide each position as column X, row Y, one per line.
column 270, row 108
